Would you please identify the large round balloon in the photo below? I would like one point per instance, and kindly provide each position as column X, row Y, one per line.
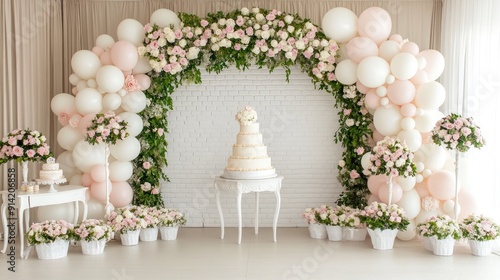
column 401, row 92
column 95, row 209
column 121, row 195
column 98, row 191
column 112, row 101
column 134, row 125
column 388, row 50
column 375, row 23
column 340, row 24
column 372, row 100
column 164, row 18
column 387, row 120
column 143, row 80
column 126, row 149
column 410, row 202
column 404, row 66
column 142, row 66
column 124, row 55
column 375, row 181
column 88, row 101
column 432, row 156
column 409, row 233
column 98, row 173
column 441, row 185
column 346, row 72
column 63, row 103
column 430, row 96
column 383, row 193
column 104, row 41
column 373, row 71
column 85, row 64
column 435, row 63
column 411, row 138
column 120, row 171
column 426, row 121
column 131, row 30
column 361, row 47
column 406, row 183
column 110, row 78
column 134, row 101
column 424, row 215
column 86, row 155
column 68, row 136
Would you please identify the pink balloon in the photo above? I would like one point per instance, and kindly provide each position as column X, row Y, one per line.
column 98, row 191
column 106, row 59
column 74, row 90
column 408, row 110
column 362, row 88
column 124, row 55
column 375, row 181
column 85, row 122
column 121, row 195
column 397, row 192
column 97, row 50
column 372, row 100
column 468, row 204
column 401, row 92
column 396, row 38
column 126, row 73
column 144, row 81
column 426, row 137
column 377, row 136
column 372, row 198
column 359, row 48
column 410, row 47
column 86, row 180
column 375, row 23
column 98, row 173
column 421, row 77
column 421, row 189
column 434, row 63
column 441, row 184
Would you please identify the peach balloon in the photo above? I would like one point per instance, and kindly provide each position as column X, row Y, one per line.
column 421, row 189
column 359, row 48
column 98, row 191
column 372, row 100
column 375, row 181
column 106, row 58
column 124, row 55
column 397, row 193
column 441, row 184
column 98, row 173
column 401, row 92
column 408, row 110
column 468, row 204
column 410, row 47
column 375, row 23
column 86, row 179
column 377, row 136
column 85, row 122
column 121, row 195
column 144, row 81
column 362, row 88
column 97, row 50
column 373, row 198
column 421, row 77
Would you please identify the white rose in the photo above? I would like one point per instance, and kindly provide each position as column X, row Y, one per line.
column 324, row 43
column 259, row 17
column 215, row 47
column 214, row 26
column 155, row 53
column 128, row 214
column 309, row 25
column 141, row 50
column 264, row 48
column 284, row 35
column 203, row 42
column 290, row 29
column 245, row 11
column 198, row 31
column 265, row 35
column 245, row 40
column 170, row 36
column 255, row 10
column 118, row 219
column 172, row 59
column 324, row 55
column 274, row 43
column 182, row 43
column 399, row 162
column 256, row 26
column 349, row 122
column 289, row 55
column 222, row 21
column 390, row 164
column 300, row 45
column 230, row 22
column 288, row 19
column 341, row 163
column 256, row 50
column 217, row 32
column 162, row 42
column 315, row 43
column 214, row 40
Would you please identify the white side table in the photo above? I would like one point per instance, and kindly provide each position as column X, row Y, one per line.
column 27, row 200
column 246, row 186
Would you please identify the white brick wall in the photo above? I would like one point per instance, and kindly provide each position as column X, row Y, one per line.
column 297, row 122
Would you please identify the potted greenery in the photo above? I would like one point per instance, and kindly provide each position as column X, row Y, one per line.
column 149, row 222
column 383, row 223
column 124, row 221
column 480, row 231
column 313, row 216
column 443, row 231
column 93, row 235
column 335, row 217
column 50, row 238
column 352, row 227
column 169, row 222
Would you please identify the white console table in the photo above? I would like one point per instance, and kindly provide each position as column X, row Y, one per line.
column 44, row 197
column 246, row 186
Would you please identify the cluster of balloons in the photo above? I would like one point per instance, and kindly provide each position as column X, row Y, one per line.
column 111, row 77
column 401, row 93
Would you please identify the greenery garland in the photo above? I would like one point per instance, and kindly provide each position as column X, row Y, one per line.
column 266, row 38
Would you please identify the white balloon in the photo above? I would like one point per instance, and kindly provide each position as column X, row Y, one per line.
column 388, row 50
column 420, row 166
column 81, row 85
column 76, row 180
column 449, row 207
column 104, row 41
column 410, row 202
column 381, row 91
column 120, row 171
column 387, row 120
column 411, row 138
column 132, row 31
column 419, row 178
column 95, row 209
column 430, row 96
column 88, row 101
column 143, row 66
column 134, row 101
column 110, row 78
column 85, row 64
column 66, row 158
column 340, row 24
column 406, row 183
column 112, row 101
column 407, row 123
column 134, row 125
column 164, row 17
column 68, row 136
column 426, row 121
column 74, row 79
column 409, row 233
column 346, row 72
column 424, row 215
column 426, row 173
column 432, row 156
column 126, row 149
column 390, row 79
column 63, row 102
column 384, row 101
column 373, row 71
column 86, row 156
column 404, row 66
column 365, row 160
column 91, row 83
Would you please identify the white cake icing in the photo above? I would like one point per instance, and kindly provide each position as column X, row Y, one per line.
column 249, row 159
column 50, row 170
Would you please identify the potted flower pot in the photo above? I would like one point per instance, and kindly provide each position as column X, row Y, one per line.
column 334, row 233
column 443, row 247
column 382, row 239
column 169, row 233
column 149, row 234
column 354, row 234
column 130, row 237
column 480, row 248
column 94, row 247
column 317, row 231
column 54, row 250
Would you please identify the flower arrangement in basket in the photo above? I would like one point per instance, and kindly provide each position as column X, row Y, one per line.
column 123, row 220
column 457, row 133
column 479, row 228
column 381, row 216
column 171, row 218
column 246, row 116
column 24, row 145
column 391, row 157
column 50, row 231
column 352, row 219
column 441, row 227
column 93, row 230
column 149, row 216
column 106, row 128
column 336, row 216
column 317, row 215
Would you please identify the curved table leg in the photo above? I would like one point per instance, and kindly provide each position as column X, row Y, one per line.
column 217, row 198
column 238, row 205
column 257, row 213
column 21, row 231
column 85, row 210
column 5, row 229
column 276, row 213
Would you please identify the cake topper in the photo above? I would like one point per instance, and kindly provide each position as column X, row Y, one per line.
column 51, row 160
column 246, row 116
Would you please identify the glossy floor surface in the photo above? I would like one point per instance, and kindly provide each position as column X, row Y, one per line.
column 199, row 253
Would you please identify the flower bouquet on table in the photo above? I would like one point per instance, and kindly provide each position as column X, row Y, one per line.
column 383, row 223
column 51, row 238
column 150, row 219
column 93, row 235
column 480, row 231
column 442, row 232
column 169, row 222
column 314, row 217
column 124, row 221
column 352, row 227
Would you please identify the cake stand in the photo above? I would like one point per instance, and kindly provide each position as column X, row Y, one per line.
column 51, row 183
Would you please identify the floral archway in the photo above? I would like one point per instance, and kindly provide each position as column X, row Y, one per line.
column 266, row 38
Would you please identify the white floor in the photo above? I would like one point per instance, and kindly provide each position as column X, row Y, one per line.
column 199, row 253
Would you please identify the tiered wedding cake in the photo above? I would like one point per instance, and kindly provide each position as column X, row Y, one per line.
column 51, row 171
column 249, row 159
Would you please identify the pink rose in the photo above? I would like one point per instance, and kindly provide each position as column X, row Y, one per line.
column 146, row 165
column 42, row 150
column 105, row 133
column 270, row 17
column 354, row 174
column 155, row 191
column 17, row 151
column 237, row 47
column 74, row 121
column 360, row 151
column 131, row 84
column 91, row 133
column 347, row 112
column 160, row 131
column 204, row 23
column 30, row 153
column 63, row 118
column 178, row 34
column 249, row 31
column 12, row 141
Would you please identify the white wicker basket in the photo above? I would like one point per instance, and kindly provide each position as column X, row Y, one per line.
column 95, row 247
column 130, row 237
column 168, row 233
column 149, row 234
column 55, row 250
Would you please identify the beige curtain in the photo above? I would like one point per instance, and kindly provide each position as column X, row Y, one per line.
column 31, row 67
